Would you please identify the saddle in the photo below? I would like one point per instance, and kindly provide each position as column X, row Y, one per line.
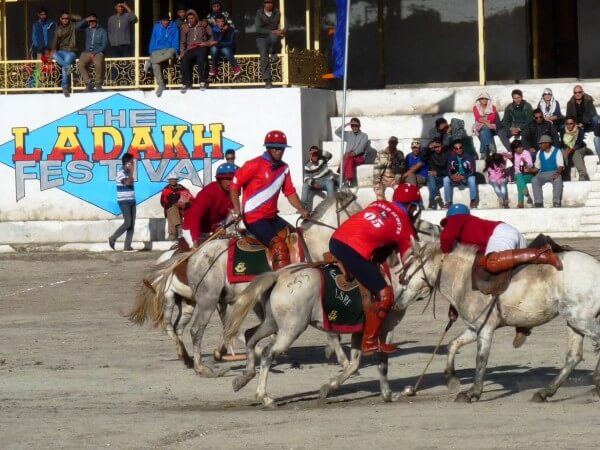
column 291, row 237
column 496, row 283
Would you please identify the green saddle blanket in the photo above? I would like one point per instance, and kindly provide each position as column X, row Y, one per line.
column 245, row 261
column 341, row 301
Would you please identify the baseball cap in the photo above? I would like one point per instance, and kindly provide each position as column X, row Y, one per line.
column 545, row 139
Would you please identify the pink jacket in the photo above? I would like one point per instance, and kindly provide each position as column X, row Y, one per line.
column 525, row 158
column 497, row 174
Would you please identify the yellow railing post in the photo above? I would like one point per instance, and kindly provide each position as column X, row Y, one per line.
column 285, row 69
column 481, row 39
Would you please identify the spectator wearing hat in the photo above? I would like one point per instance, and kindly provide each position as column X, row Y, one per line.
column 574, row 149
column 516, row 117
column 175, row 199
column 164, row 45
column 551, row 109
column 537, row 128
column 486, row 117
column 437, row 162
column 318, row 177
column 388, row 168
column 354, row 153
column 269, row 34
column 416, row 166
column 548, row 168
column 119, row 31
column 461, row 172
column 96, row 42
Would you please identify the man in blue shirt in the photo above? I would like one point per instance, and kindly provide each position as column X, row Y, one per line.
column 416, row 166
column 225, row 36
column 164, row 45
column 461, row 172
column 96, row 41
column 42, row 33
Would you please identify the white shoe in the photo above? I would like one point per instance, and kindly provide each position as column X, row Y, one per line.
column 147, row 66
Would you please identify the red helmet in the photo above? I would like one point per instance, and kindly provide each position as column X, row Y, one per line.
column 276, row 139
column 407, row 193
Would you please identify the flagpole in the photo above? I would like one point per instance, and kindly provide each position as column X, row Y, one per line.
column 344, row 88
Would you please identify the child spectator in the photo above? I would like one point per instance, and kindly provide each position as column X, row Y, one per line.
column 495, row 167
column 522, row 163
column 224, row 35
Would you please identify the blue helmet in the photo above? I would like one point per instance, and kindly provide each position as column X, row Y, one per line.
column 226, row 171
column 457, row 209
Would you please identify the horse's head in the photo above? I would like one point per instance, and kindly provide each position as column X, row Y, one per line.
column 332, row 211
column 427, row 231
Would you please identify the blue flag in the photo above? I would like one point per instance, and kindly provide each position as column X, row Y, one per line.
column 339, row 39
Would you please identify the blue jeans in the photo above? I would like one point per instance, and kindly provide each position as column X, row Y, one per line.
column 64, row 59
column 500, row 190
column 486, row 138
column 597, row 145
column 471, row 181
column 308, row 192
column 227, row 52
column 434, row 183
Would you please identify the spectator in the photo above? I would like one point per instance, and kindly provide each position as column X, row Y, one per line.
column 581, row 106
column 574, row 149
column 164, row 45
column 416, row 166
column 354, row 153
column 461, row 172
column 269, row 35
column 216, row 9
column 194, row 42
column 318, row 177
column 449, row 133
column 388, row 168
column 548, row 169
column 42, row 34
column 523, row 164
column 126, row 199
column 516, row 116
column 64, row 46
column 175, row 199
column 486, row 116
column 495, row 168
column 437, row 161
column 96, row 41
column 119, row 31
column 537, row 128
column 224, row 35
column 181, row 13
column 551, row 109
column 230, row 156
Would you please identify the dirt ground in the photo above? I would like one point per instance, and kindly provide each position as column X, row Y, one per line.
column 75, row 374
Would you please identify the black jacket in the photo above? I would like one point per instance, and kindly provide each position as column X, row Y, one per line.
column 533, row 132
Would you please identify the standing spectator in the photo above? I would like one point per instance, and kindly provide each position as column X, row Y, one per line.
column 548, row 169
column 388, row 168
column 224, row 35
column 216, row 9
column 486, row 116
column 230, row 157
column 581, row 106
column 42, row 34
column 96, row 41
column 126, row 199
column 523, row 164
column 164, row 45
column 119, row 31
column 354, row 153
column 573, row 149
column 495, row 167
column 461, row 172
column 537, row 128
column 318, row 177
column 193, row 50
column 416, row 166
column 175, row 199
column 516, row 116
column 551, row 109
column 437, row 161
column 180, row 12
column 269, row 35
column 64, row 46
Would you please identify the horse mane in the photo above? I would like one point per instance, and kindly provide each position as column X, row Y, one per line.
column 322, row 208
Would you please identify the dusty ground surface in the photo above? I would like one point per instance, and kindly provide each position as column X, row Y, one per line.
column 75, row 374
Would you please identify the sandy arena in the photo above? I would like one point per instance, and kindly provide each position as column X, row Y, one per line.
column 75, row 374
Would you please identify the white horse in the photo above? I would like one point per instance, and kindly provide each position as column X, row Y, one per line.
column 536, row 295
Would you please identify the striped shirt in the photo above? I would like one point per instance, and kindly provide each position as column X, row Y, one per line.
column 125, row 194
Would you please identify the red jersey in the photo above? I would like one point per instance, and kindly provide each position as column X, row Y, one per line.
column 466, row 229
column 379, row 224
column 261, row 183
column 211, row 206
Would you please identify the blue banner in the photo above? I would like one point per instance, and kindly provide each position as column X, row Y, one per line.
column 339, row 39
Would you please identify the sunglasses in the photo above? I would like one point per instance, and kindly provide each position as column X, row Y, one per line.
column 547, row 93
column 577, row 92
column 354, row 125
column 458, row 148
column 230, row 158
column 538, row 117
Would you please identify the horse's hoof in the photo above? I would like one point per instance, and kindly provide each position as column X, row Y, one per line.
column 463, row 397
column 217, row 355
column 324, row 392
column 239, row 382
column 268, row 403
column 539, row 397
column 204, row 371
column 386, row 396
column 453, row 384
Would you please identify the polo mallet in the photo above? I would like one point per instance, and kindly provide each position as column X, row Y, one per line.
column 411, row 391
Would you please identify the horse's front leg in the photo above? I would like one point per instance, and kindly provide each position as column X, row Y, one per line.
column 466, row 337
column 352, row 367
column 382, row 368
column 185, row 315
column 484, row 343
column 201, row 317
column 574, row 356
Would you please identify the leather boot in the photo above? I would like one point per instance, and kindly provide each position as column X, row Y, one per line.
column 375, row 314
column 280, row 253
column 508, row 259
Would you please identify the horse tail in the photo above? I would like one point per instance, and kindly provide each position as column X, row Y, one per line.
column 142, row 305
column 246, row 302
column 160, row 287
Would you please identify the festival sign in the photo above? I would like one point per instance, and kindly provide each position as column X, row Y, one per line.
column 80, row 153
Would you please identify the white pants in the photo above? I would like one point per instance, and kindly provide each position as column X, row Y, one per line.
column 505, row 237
column 187, row 236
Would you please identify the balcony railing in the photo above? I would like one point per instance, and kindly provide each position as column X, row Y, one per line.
column 297, row 67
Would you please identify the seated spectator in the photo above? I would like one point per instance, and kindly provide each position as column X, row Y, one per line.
column 388, row 168
column 224, row 37
column 495, row 168
column 548, row 168
column 523, row 164
column 42, row 34
column 164, row 45
column 537, row 128
column 573, row 149
column 96, row 42
column 486, row 116
column 581, row 106
column 516, row 116
column 175, row 199
column 318, row 177
column 216, row 9
column 230, row 157
column 551, row 109
column 268, row 37
column 64, row 48
column 437, row 161
column 354, row 153
column 461, row 172
column 195, row 39
column 416, row 166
